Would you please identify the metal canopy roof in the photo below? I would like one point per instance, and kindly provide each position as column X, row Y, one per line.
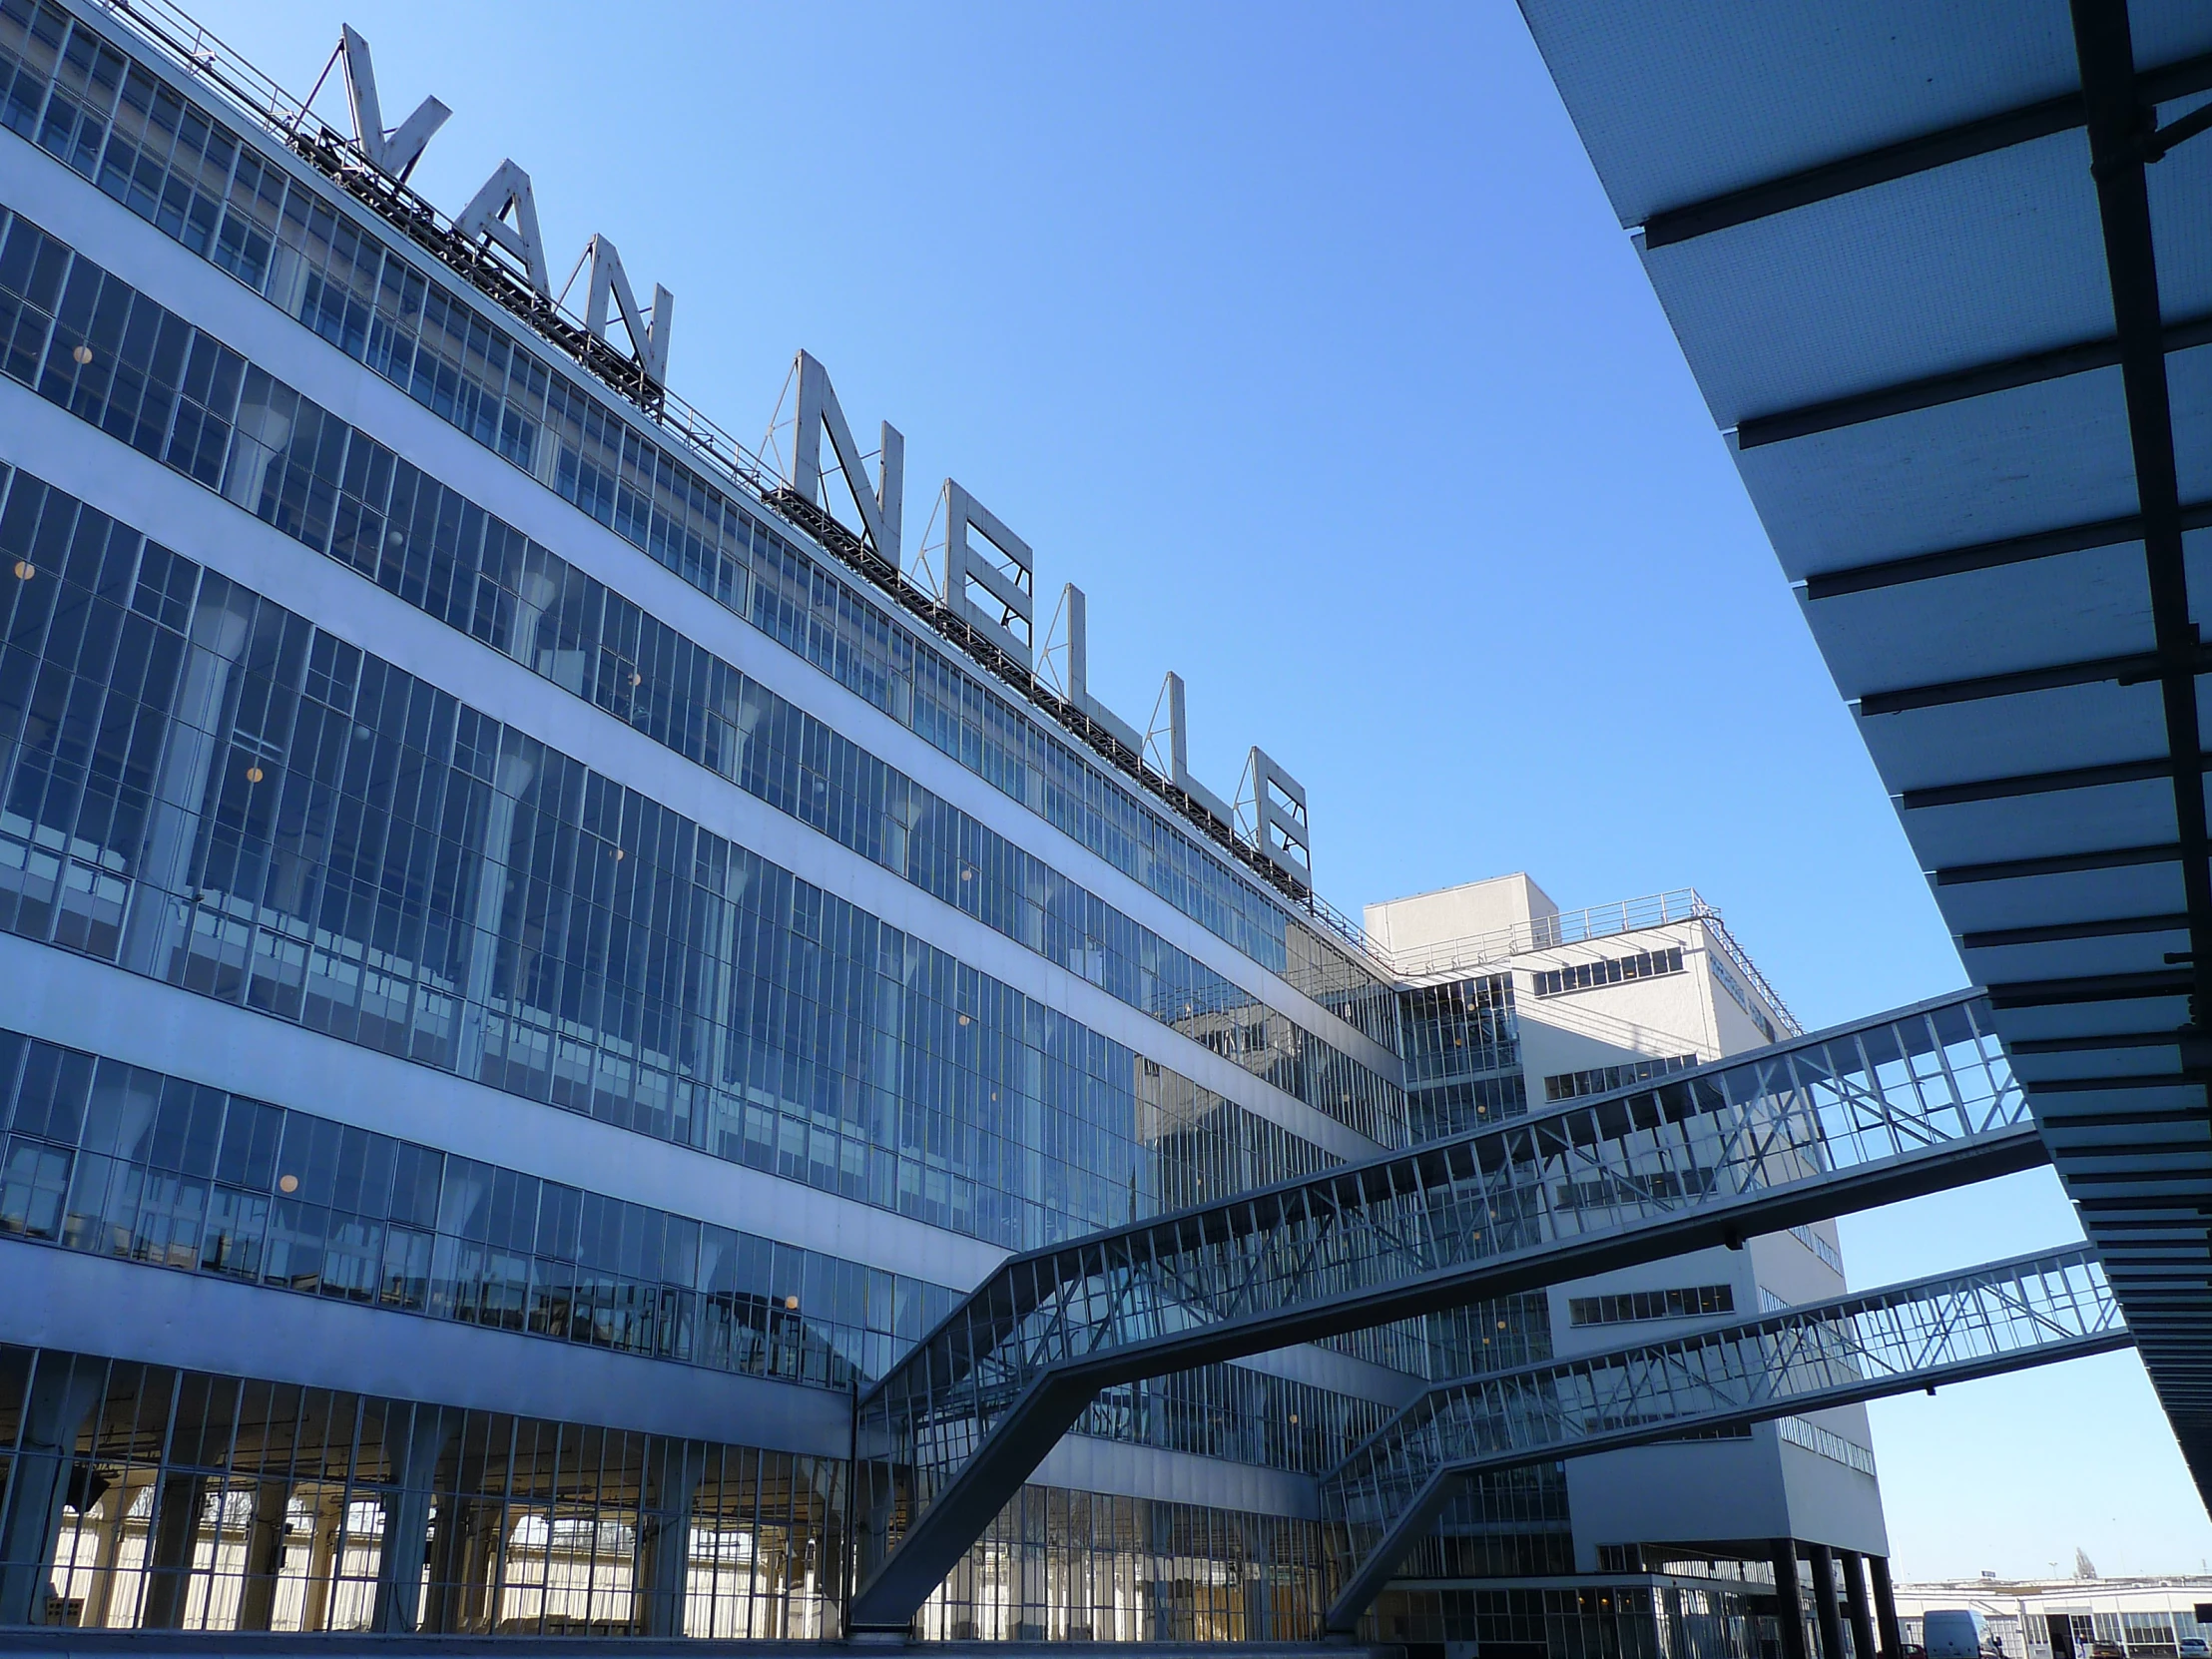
column 1967, row 376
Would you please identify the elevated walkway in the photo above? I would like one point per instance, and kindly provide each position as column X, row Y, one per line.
column 2029, row 1311
column 1908, row 1102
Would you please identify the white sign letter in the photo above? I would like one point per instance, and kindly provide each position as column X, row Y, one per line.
column 819, row 411
column 647, row 343
column 1177, row 755
column 1277, row 825
column 1007, row 578
column 392, row 153
column 507, row 189
column 1077, row 611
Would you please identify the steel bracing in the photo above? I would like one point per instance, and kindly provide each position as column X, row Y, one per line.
column 2029, row 1311
column 1913, row 1101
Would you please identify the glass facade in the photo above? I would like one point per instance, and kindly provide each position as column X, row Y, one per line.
column 1631, row 1306
column 90, row 342
column 197, row 1501
column 1458, row 1030
column 117, row 1160
column 203, row 786
column 166, row 1498
column 1461, row 1044
column 1085, row 1566
column 1570, row 1085
column 120, row 1160
column 1619, row 1622
column 1609, row 970
column 143, row 142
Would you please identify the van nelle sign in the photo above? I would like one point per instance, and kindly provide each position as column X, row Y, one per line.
column 987, row 572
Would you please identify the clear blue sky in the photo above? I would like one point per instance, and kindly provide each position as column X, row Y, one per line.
column 1304, row 340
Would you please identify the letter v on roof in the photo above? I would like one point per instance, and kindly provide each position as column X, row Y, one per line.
column 394, row 153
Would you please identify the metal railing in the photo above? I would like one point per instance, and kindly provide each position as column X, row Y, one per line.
column 1904, row 1103
column 2031, row 1310
column 1475, row 952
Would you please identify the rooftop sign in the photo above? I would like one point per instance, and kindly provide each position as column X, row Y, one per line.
column 984, row 577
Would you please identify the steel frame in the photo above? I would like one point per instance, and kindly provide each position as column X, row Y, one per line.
column 1908, row 1102
column 2028, row 1311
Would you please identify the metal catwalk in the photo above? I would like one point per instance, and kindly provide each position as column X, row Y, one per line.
column 1914, row 1101
column 2029, row 1311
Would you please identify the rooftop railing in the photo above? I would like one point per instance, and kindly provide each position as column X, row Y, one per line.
column 1473, row 952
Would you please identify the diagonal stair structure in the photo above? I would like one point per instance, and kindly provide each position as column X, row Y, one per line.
column 1913, row 1101
column 1950, row 1327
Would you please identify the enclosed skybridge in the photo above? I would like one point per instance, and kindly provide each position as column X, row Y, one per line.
column 2031, row 1310
column 1905, row 1103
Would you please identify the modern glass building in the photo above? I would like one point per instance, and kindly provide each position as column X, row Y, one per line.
column 1512, row 1005
column 531, row 975
column 540, row 960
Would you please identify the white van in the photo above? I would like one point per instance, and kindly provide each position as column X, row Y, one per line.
column 1954, row 1633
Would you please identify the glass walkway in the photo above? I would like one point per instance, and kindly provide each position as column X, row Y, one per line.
column 2031, row 1310
column 1909, row 1102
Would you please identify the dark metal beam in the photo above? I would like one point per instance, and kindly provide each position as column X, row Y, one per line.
column 2117, row 105
column 2091, row 987
column 1992, row 555
column 2136, row 668
column 2113, row 1120
column 2115, row 927
column 1934, row 390
column 2103, row 1039
column 2064, row 863
column 1902, row 160
column 2122, row 1080
column 2036, row 783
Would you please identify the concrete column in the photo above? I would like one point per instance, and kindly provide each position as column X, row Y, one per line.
column 1854, row 1601
column 1885, row 1608
column 170, row 1546
column 322, row 1562
column 450, row 1530
column 1789, row 1602
column 511, row 774
column 481, row 1565
column 62, row 1395
column 155, row 925
column 462, row 1536
column 664, row 1536
column 415, row 1438
column 265, row 1554
column 1824, row 1600
column 115, row 1514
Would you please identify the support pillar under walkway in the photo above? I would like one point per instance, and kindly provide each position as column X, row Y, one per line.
column 1855, row 1603
column 1823, row 1561
column 1885, row 1608
column 1789, row 1600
